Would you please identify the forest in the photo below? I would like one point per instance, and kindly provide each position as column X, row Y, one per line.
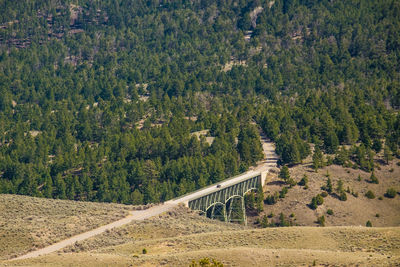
column 101, row 100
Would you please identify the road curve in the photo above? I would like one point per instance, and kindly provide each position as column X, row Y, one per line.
column 268, row 162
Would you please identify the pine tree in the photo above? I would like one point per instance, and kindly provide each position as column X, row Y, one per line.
column 387, row 154
column 317, row 159
column 60, row 187
column 339, row 187
column 329, row 187
column 48, row 186
column 284, row 174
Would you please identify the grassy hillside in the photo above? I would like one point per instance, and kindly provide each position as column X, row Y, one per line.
column 28, row 223
column 175, row 239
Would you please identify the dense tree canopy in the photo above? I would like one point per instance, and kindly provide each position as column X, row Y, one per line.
column 99, row 99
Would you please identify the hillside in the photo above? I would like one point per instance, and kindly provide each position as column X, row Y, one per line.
column 180, row 236
column 100, row 100
column 138, row 102
column 28, row 223
column 381, row 211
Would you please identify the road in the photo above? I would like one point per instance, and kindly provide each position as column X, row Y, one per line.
column 268, row 162
column 137, row 215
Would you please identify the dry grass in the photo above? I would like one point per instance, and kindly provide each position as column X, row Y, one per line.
column 177, row 238
column 179, row 222
column 28, row 223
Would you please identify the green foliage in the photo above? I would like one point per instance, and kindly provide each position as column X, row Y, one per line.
column 328, row 187
column 368, row 224
column 343, row 196
column 264, row 221
column 272, row 199
column 387, row 154
column 342, row 157
column 283, row 192
column 320, row 200
column 370, row 194
column 260, row 199
column 329, row 212
column 318, row 161
column 324, row 194
column 250, row 200
column 321, row 220
column 304, row 180
column 206, row 262
column 283, row 222
column 100, row 104
column 284, row 173
column 373, row 179
column 340, row 187
column 391, row 192
column 144, row 251
column 291, row 182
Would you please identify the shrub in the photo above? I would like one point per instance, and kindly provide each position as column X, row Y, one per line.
column 370, row 194
column 390, row 193
column 283, row 193
column 282, row 221
column 206, row 262
column 144, row 251
column 377, row 215
column 284, row 174
column 373, row 179
column 271, row 199
column 292, row 215
column 304, row 180
column 324, row 194
column 339, row 187
column 320, row 200
column 291, row 182
column 343, row 196
column 359, row 178
column 368, row 224
column 329, row 212
column 380, row 198
column 316, row 201
column 271, row 215
column 321, row 220
column 355, row 194
column 264, row 222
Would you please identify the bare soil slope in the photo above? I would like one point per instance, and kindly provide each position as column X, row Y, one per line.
column 355, row 211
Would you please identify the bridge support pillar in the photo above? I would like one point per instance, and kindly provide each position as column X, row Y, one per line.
column 244, row 211
column 263, row 178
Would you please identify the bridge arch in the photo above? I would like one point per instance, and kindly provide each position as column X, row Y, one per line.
column 224, row 196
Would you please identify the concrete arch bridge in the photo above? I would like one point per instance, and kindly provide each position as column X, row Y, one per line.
column 225, row 200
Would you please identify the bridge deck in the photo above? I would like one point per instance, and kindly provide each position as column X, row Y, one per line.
column 213, row 188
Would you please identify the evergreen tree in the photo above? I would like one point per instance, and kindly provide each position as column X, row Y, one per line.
column 317, row 159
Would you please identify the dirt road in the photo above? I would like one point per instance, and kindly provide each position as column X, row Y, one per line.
column 268, row 162
column 134, row 215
